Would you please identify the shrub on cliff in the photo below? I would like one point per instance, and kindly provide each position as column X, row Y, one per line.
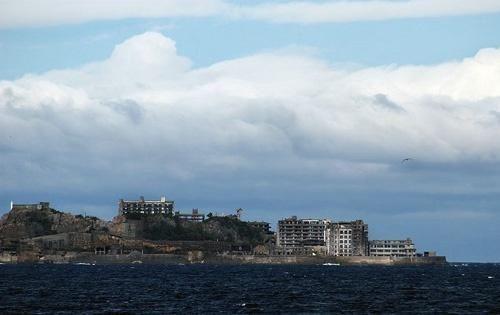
column 225, row 229
column 162, row 228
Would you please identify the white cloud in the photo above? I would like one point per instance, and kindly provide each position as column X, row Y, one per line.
column 347, row 11
column 144, row 112
column 19, row 13
column 22, row 13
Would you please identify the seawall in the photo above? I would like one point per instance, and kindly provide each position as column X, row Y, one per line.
column 200, row 257
column 353, row 260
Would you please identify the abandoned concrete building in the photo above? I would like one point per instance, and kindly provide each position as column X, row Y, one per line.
column 63, row 241
column 194, row 216
column 143, row 207
column 261, row 225
column 298, row 235
column 35, row 206
column 344, row 238
column 348, row 238
column 393, row 248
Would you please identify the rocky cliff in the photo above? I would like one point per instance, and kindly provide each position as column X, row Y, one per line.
column 27, row 223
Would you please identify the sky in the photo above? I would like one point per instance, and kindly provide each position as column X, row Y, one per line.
column 279, row 107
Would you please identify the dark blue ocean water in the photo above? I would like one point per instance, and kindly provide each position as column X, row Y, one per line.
column 131, row 289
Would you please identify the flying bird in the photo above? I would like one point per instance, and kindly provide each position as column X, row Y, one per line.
column 406, row 160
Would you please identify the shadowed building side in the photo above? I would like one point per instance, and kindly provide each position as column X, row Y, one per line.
column 301, row 236
column 348, row 238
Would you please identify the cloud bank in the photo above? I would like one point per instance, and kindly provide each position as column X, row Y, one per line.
column 348, row 11
column 144, row 110
column 22, row 13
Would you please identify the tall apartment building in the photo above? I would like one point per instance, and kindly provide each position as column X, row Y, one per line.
column 297, row 233
column 394, row 248
column 144, row 207
column 348, row 238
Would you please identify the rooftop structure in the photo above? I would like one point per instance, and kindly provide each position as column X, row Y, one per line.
column 393, row 248
column 144, row 207
column 348, row 238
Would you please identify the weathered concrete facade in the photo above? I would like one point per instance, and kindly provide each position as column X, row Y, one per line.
column 132, row 228
column 194, row 216
column 63, row 241
column 144, row 207
column 264, row 226
column 35, row 206
column 392, row 248
column 298, row 235
column 348, row 238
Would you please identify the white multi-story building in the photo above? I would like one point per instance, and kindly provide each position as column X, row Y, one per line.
column 393, row 248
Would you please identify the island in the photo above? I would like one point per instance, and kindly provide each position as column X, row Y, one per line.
column 152, row 231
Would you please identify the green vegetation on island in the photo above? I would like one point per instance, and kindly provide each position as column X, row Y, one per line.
column 226, row 229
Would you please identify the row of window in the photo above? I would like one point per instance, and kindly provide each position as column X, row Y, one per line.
column 345, row 241
column 345, row 231
column 380, row 243
column 389, row 246
column 342, row 246
column 301, row 223
column 142, row 211
column 394, row 255
column 342, row 237
column 125, row 208
column 299, row 230
column 388, row 250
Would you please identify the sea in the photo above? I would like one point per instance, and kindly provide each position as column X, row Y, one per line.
column 458, row 288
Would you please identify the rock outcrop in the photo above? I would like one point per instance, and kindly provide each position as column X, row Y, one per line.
column 21, row 223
